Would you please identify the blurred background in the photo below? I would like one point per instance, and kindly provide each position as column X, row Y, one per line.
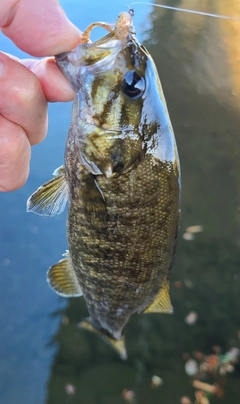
column 44, row 357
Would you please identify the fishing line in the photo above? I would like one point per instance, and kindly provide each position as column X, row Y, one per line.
column 185, row 10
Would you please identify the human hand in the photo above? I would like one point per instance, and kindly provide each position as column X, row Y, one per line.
column 40, row 28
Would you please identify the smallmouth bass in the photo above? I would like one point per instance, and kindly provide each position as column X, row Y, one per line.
column 121, row 179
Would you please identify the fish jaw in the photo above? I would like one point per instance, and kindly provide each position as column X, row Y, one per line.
column 101, row 54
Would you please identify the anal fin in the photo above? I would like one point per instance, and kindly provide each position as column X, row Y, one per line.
column 62, row 278
column 162, row 303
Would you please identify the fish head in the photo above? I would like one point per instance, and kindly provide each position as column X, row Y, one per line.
column 119, row 105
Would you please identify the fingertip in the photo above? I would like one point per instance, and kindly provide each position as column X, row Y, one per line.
column 55, row 86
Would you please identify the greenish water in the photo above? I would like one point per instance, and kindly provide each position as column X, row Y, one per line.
column 44, row 357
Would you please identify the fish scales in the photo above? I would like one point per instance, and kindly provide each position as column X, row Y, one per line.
column 122, row 258
column 121, row 179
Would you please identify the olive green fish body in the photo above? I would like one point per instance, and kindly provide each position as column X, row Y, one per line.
column 122, row 183
column 123, row 245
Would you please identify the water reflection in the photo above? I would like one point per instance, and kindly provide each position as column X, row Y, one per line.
column 198, row 62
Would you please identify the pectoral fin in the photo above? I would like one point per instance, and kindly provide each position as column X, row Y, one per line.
column 50, row 199
column 62, row 278
column 162, row 303
column 93, row 199
column 118, row 345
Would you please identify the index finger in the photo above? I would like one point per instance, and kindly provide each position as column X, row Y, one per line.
column 22, row 100
column 39, row 27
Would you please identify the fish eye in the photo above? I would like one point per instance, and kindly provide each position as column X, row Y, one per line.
column 133, row 85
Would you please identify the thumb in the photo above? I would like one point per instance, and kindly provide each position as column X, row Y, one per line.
column 39, row 27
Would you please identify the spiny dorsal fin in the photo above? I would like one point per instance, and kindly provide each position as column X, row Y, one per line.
column 62, row 278
column 50, row 199
column 118, row 345
column 162, row 303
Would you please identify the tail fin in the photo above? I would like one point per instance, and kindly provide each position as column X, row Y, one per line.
column 118, row 345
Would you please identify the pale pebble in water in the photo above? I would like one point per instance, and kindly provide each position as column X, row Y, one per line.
column 70, row 389
column 188, row 236
column 191, row 367
column 185, row 400
column 156, row 381
column 195, row 229
column 191, row 318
